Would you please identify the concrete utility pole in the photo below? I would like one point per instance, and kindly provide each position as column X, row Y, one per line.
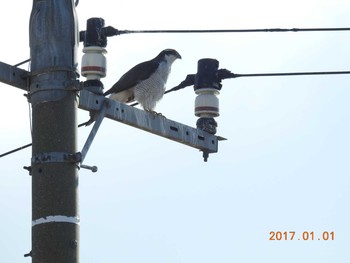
column 53, row 50
column 53, row 88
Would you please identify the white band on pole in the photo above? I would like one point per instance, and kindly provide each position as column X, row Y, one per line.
column 56, row 219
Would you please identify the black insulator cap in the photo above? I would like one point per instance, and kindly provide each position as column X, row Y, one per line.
column 94, row 34
column 94, row 86
column 207, row 74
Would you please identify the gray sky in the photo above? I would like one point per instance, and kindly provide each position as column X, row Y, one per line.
column 284, row 167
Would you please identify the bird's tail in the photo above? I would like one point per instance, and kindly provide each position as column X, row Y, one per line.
column 110, row 91
column 87, row 123
column 91, row 120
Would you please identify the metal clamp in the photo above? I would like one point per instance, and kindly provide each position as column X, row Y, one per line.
column 56, row 157
column 60, row 157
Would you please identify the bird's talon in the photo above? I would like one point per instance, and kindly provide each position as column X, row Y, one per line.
column 154, row 113
column 161, row 115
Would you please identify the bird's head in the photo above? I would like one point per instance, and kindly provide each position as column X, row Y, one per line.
column 169, row 54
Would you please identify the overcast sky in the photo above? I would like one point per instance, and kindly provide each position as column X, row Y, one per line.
column 285, row 165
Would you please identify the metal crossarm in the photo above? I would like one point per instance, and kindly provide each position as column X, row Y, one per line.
column 149, row 122
column 14, row 76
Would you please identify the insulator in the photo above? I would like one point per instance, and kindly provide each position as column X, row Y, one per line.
column 207, row 87
column 206, row 103
column 94, row 63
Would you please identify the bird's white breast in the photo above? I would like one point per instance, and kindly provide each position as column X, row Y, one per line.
column 151, row 90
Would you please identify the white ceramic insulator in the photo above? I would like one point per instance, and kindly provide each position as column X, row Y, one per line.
column 206, row 103
column 94, row 63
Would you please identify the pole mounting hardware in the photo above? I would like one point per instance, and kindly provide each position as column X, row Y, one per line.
column 56, row 157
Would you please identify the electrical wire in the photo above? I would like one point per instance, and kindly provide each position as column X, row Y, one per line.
column 291, row 74
column 16, row 150
column 23, row 62
column 111, row 31
column 226, row 74
column 120, row 32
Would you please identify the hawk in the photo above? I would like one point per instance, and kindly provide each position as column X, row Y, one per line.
column 145, row 82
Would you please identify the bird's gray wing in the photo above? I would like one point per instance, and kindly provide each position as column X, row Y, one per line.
column 134, row 76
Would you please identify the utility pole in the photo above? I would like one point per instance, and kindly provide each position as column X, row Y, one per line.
column 52, row 88
column 53, row 49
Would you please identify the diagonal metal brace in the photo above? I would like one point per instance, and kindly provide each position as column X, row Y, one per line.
column 101, row 114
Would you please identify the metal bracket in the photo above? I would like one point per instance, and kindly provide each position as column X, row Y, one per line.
column 101, row 114
column 91, row 168
column 56, row 157
column 28, row 168
column 146, row 121
column 14, row 76
column 28, row 254
column 59, row 157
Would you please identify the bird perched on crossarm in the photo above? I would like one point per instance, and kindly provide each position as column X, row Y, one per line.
column 145, row 82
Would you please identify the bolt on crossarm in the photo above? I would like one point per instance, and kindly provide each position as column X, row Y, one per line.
column 53, row 50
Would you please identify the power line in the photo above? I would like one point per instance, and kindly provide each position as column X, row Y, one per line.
column 16, row 150
column 111, row 31
column 23, row 62
column 266, row 30
column 226, row 74
column 232, row 75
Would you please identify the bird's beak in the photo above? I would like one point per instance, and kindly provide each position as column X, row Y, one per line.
column 178, row 55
